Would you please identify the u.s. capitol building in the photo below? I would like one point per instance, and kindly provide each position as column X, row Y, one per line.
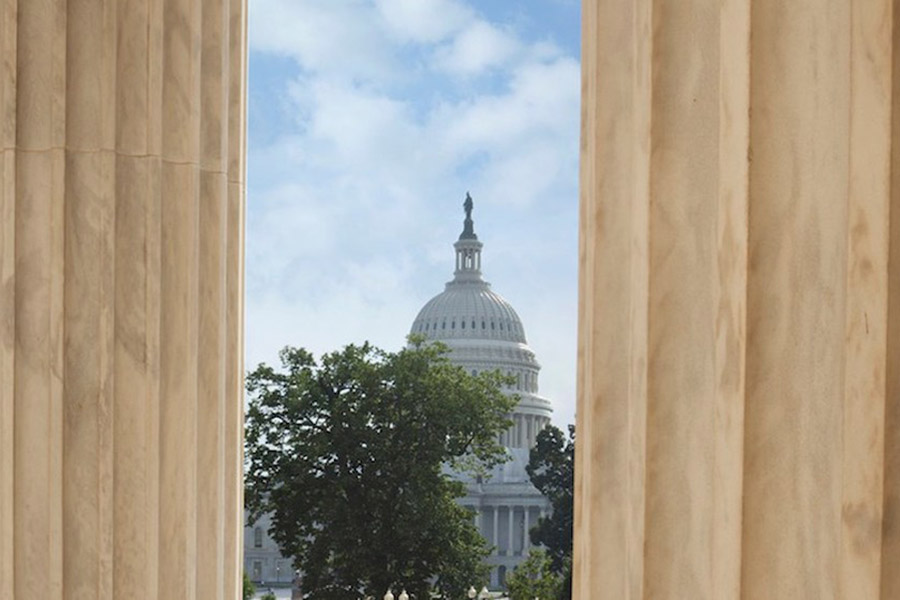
column 484, row 333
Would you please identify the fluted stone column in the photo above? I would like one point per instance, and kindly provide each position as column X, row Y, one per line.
column 510, row 532
column 526, row 525
column 121, row 276
column 495, row 538
column 739, row 354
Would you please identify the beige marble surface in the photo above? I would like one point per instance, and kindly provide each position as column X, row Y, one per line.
column 121, row 256
column 736, row 296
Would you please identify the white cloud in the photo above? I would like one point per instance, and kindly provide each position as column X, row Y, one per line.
column 424, row 21
column 479, row 47
column 362, row 126
column 541, row 98
column 329, row 38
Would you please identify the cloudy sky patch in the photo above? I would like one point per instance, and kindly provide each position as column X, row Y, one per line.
column 369, row 120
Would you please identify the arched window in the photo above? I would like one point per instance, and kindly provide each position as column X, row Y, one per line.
column 462, row 324
column 501, row 576
column 257, row 537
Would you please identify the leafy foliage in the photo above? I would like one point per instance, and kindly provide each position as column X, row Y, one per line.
column 551, row 467
column 347, row 455
column 534, row 578
column 248, row 589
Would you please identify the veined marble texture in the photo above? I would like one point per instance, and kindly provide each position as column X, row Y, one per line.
column 121, row 256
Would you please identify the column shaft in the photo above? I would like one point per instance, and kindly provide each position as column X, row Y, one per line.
column 526, row 539
column 736, row 193
column 510, row 531
column 121, row 244
column 495, row 540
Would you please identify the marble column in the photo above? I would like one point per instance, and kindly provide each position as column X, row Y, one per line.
column 739, row 353
column 495, row 540
column 510, row 532
column 527, row 431
column 121, row 284
column 526, row 524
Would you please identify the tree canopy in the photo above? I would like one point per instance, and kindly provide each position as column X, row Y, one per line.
column 534, row 578
column 349, row 457
column 551, row 467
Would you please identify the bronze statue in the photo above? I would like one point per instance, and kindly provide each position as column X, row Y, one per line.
column 468, row 204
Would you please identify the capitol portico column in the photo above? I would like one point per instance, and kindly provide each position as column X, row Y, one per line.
column 532, row 430
column 511, row 531
column 496, row 539
column 520, row 431
column 526, row 539
column 121, row 261
column 739, row 311
column 527, row 430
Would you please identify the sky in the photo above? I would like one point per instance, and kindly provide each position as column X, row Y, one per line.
column 369, row 120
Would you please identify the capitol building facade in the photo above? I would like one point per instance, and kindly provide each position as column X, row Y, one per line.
column 484, row 333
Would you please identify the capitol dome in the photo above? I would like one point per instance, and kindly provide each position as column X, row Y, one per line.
column 469, row 310
column 484, row 332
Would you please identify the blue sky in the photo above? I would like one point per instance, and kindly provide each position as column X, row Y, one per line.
column 369, row 120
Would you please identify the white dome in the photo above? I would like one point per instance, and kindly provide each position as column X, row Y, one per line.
column 484, row 333
column 469, row 310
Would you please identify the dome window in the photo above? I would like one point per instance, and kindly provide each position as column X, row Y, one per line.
column 453, row 325
column 444, row 325
column 501, row 325
column 492, row 324
column 483, row 325
column 462, row 324
column 473, row 323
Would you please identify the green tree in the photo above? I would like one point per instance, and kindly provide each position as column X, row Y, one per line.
column 551, row 467
column 248, row 588
column 534, row 578
column 348, row 455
